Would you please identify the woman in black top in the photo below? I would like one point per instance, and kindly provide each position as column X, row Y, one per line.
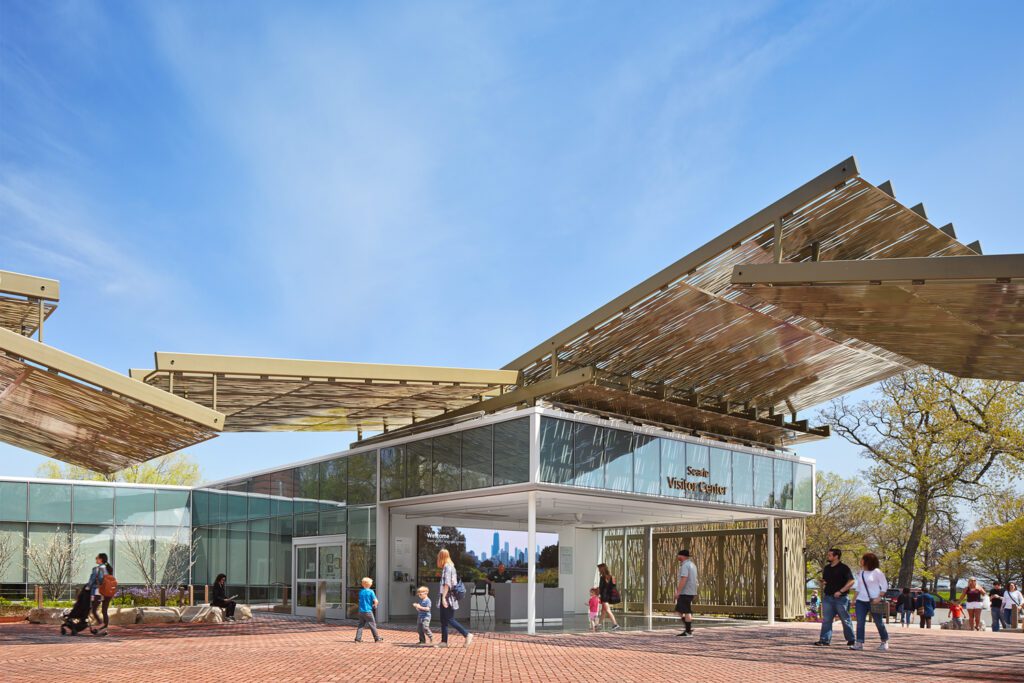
column 905, row 603
column 605, row 592
column 219, row 598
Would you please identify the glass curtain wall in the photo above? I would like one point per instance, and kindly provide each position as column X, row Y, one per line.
column 599, row 457
column 133, row 525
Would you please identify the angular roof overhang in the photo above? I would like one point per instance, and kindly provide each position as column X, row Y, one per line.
column 26, row 301
column 271, row 394
column 963, row 315
column 61, row 406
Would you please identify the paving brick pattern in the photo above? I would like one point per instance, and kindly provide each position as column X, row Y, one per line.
column 283, row 650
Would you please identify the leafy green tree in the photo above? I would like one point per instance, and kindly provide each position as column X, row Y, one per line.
column 844, row 515
column 178, row 469
column 932, row 437
column 999, row 551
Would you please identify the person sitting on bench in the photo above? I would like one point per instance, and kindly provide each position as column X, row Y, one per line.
column 219, row 598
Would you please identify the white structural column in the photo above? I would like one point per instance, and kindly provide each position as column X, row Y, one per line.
column 649, row 579
column 383, row 561
column 531, row 564
column 771, row 571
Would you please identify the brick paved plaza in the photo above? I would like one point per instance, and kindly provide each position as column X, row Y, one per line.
column 273, row 649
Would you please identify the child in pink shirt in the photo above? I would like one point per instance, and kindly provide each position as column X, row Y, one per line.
column 595, row 609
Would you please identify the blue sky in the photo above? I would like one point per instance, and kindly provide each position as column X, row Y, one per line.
column 450, row 183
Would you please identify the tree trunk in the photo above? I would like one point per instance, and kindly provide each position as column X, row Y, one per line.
column 913, row 542
column 953, row 581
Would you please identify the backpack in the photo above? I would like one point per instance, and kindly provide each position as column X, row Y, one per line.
column 459, row 591
column 108, row 587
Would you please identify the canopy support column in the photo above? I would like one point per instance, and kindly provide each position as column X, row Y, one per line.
column 770, row 592
column 531, row 564
column 649, row 578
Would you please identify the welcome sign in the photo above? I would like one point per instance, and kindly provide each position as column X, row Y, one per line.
column 696, row 486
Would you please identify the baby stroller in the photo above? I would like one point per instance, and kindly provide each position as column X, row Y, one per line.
column 77, row 618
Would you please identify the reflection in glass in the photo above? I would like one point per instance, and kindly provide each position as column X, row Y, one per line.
column 803, row 496
column 721, row 476
column 307, row 524
column 392, row 473
column 673, row 466
column 259, row 552
column 171, row 508
column 282, row 488
column 135, row 506
column 764, row 491
column 783, row 484
column 588, row 461
column 646, row 464
column 512, row 451
column 418, row 472
column 477, row 458
column 698, row 459
column 556, row 449
column 742, row 478
column 333, row 483
column 618, row 468
column 447, row 463
column 305, row 562
column 13, row 501
column 307, row 488
column 362, row 478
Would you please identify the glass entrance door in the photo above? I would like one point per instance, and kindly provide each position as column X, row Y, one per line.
column 319, row 571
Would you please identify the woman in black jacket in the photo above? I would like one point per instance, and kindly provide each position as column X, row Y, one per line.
column 905, row 605
column 219, row 598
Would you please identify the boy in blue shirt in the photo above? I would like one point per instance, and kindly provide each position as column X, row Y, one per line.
column 367, row 603
column 422, row 606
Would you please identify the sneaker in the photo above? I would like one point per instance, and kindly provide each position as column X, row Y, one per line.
column 469, row 640
column 616, row 627
column 850, row 642
column 857, row 646
column 685, row 634
column 884, row 647
column 358, row 640
column 821, row 643
column 378, row 640
column 442, row 644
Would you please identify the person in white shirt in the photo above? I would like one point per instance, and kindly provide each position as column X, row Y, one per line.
column 870, row 586
column 1012, row 598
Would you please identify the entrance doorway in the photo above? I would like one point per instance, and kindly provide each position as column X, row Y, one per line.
column 319, row 571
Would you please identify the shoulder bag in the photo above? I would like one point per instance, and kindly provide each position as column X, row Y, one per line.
column 878, row 609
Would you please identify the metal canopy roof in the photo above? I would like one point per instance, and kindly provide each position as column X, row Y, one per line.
column 688, row 335
column 269, row 394
column 962, row 315
column 26, row 301
column 58, row 405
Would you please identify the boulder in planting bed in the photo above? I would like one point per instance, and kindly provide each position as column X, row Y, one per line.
column 159, row 615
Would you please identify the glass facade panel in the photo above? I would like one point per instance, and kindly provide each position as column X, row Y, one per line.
column 333, row 521
column 362, row 478
column 307, row 524
column 259, row 505
column 14, row 534
column 281, row 529
column 333, row 483
column 282, row 489
column 236, row 502
column 94, row 540
column 556, row 450
column 49, row 502
column 512, row 452
column 13, row 501
column 742, row 478
column 783, row 484
column 40, row 535
column 764, row 490
column 673, row 466
column 477, row 458
column 588, row 456
column 238, row 553
column 171, row 549
column 135, row 506
column 618, row 458
column 94, row 504
column 447, row 463
column 133, row 553
column 307, row 488
column 200, row 507
column 171, row 507
column 720, row 479
column 698, row 460
column 418, row 468
column 646, row 464
column 259, row 552
column 803, row 488
column 201, row 568
column 392, row 473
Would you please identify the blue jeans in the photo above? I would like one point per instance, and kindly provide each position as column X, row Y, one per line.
column 863, row 610
column 907, row 613
column 448, row 619
column 830, row 607
column 1008, row 618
